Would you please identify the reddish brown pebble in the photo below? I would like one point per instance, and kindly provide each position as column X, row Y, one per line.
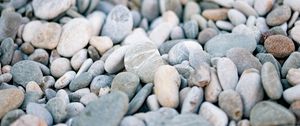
column 279, row 46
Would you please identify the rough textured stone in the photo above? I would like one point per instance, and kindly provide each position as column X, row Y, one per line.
column 279, row 46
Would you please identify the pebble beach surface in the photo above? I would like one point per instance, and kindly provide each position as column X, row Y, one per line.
column 149, row 62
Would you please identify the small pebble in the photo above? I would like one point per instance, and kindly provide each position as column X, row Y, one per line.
column 279, row 15
column 279, row 45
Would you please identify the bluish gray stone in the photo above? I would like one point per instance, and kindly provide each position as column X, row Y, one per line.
column 82, row 81
column 108, row 110
column 7, row 51
column 39, row 111
column 9, row 24
column 100, row 81
column 126, row 82
column 57, row 107
column 191, row 29
column 188, row 119
column 291, row 62
column 220, row 44
column 139, row 98
column 11, row 116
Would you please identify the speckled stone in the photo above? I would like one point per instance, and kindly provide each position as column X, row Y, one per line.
column 279, row 46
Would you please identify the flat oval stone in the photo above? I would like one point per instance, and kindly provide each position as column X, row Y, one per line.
column 64, row 80
column 126, row 82
column 293, row 76
column 60, row 66
column 227, row 73
column 7, row 51
column 215, row 14
column 97, row 68
column 243, row 59
column 262, row 7
column 213, row 89
column 143, row 59
column 291, row 62
column 188, row 119
column 192, row 100
column 29, row 120
column 279, row 46
column 59, row 114
column 291, row 94
column 115, row 61
column 39, row 111
column 236, row 17
column 100, row 81
column 191, row 8
column 213, row 114
column 231, row 102
column 279, row 15
column 47, row 35
column 101, row 43
column 132, row 121
column 218, row 45
column 9, row 24
column 78, row 59
column 118, row 24
column 271, row 81
column 26, row 71
column 81, row 81
column 113, row 105
column 166, row 86
column 10, row 99
column 191, row 29
column 245, row 8
column 75, row 36
column 74, row 108
column 139, row 98
column 271, row 113
column 150, row 9
column 250, row 89
column 41, row 8
column 11, row 117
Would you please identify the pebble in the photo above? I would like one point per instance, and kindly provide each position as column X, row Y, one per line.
column 293, row 76
column 81, row 81
column 160, row 33
column 295, row 108
column 271, row 113
column 85, row 66
column 290, row 95
column 86, row 99
column 213, row 89
column 137, row 36
column 166, row 88
column 224, row 3
column 39, row 111
column 99, row 82
column 191, row 8
column 60, row 66
column 250, row 89
column 33, row 87
column 192, row 100
column 231, row 102
column 213, row 114
column 131, row 121
column 64, row 80
column 113, row 105
column 97, row 68
column 115, row 61
column 39, row 55
column 181, row 51
column 272, row 45
column 150, row 9
column 267, row 57
column 291, row 62
column 262, row 7
column 61, row 93
column 191, row 29
column 26, row 71
column 206, row 34
column 294, row 4
column 97, row 19
column 200, row 76
column 171, row 5
column 41, row 8
column 75, row 36
column 245, row 8
column 224, row 25
column 93, row 53
column 74, row 108
column 11, row 117
column 78, row 59
column 101, row 43
column 219, row 45
column 29, row 120
column 271, row 81
column 177, row 33
column 188, row 119
column 236, row 17
column 7, row 51
column 10, row 100
column 279, row 15
column 143, row 60
column 152, row 102
column 215, row 14
column 139, row 98
column 295, row 32
column 9, row 24
column 243, row 59
column 126, row 82
column 227, row 73
column 202, row 22
column 118, row 24
column 251, row 31
column 47, row 35
column 59, row 114
column 27, row 48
